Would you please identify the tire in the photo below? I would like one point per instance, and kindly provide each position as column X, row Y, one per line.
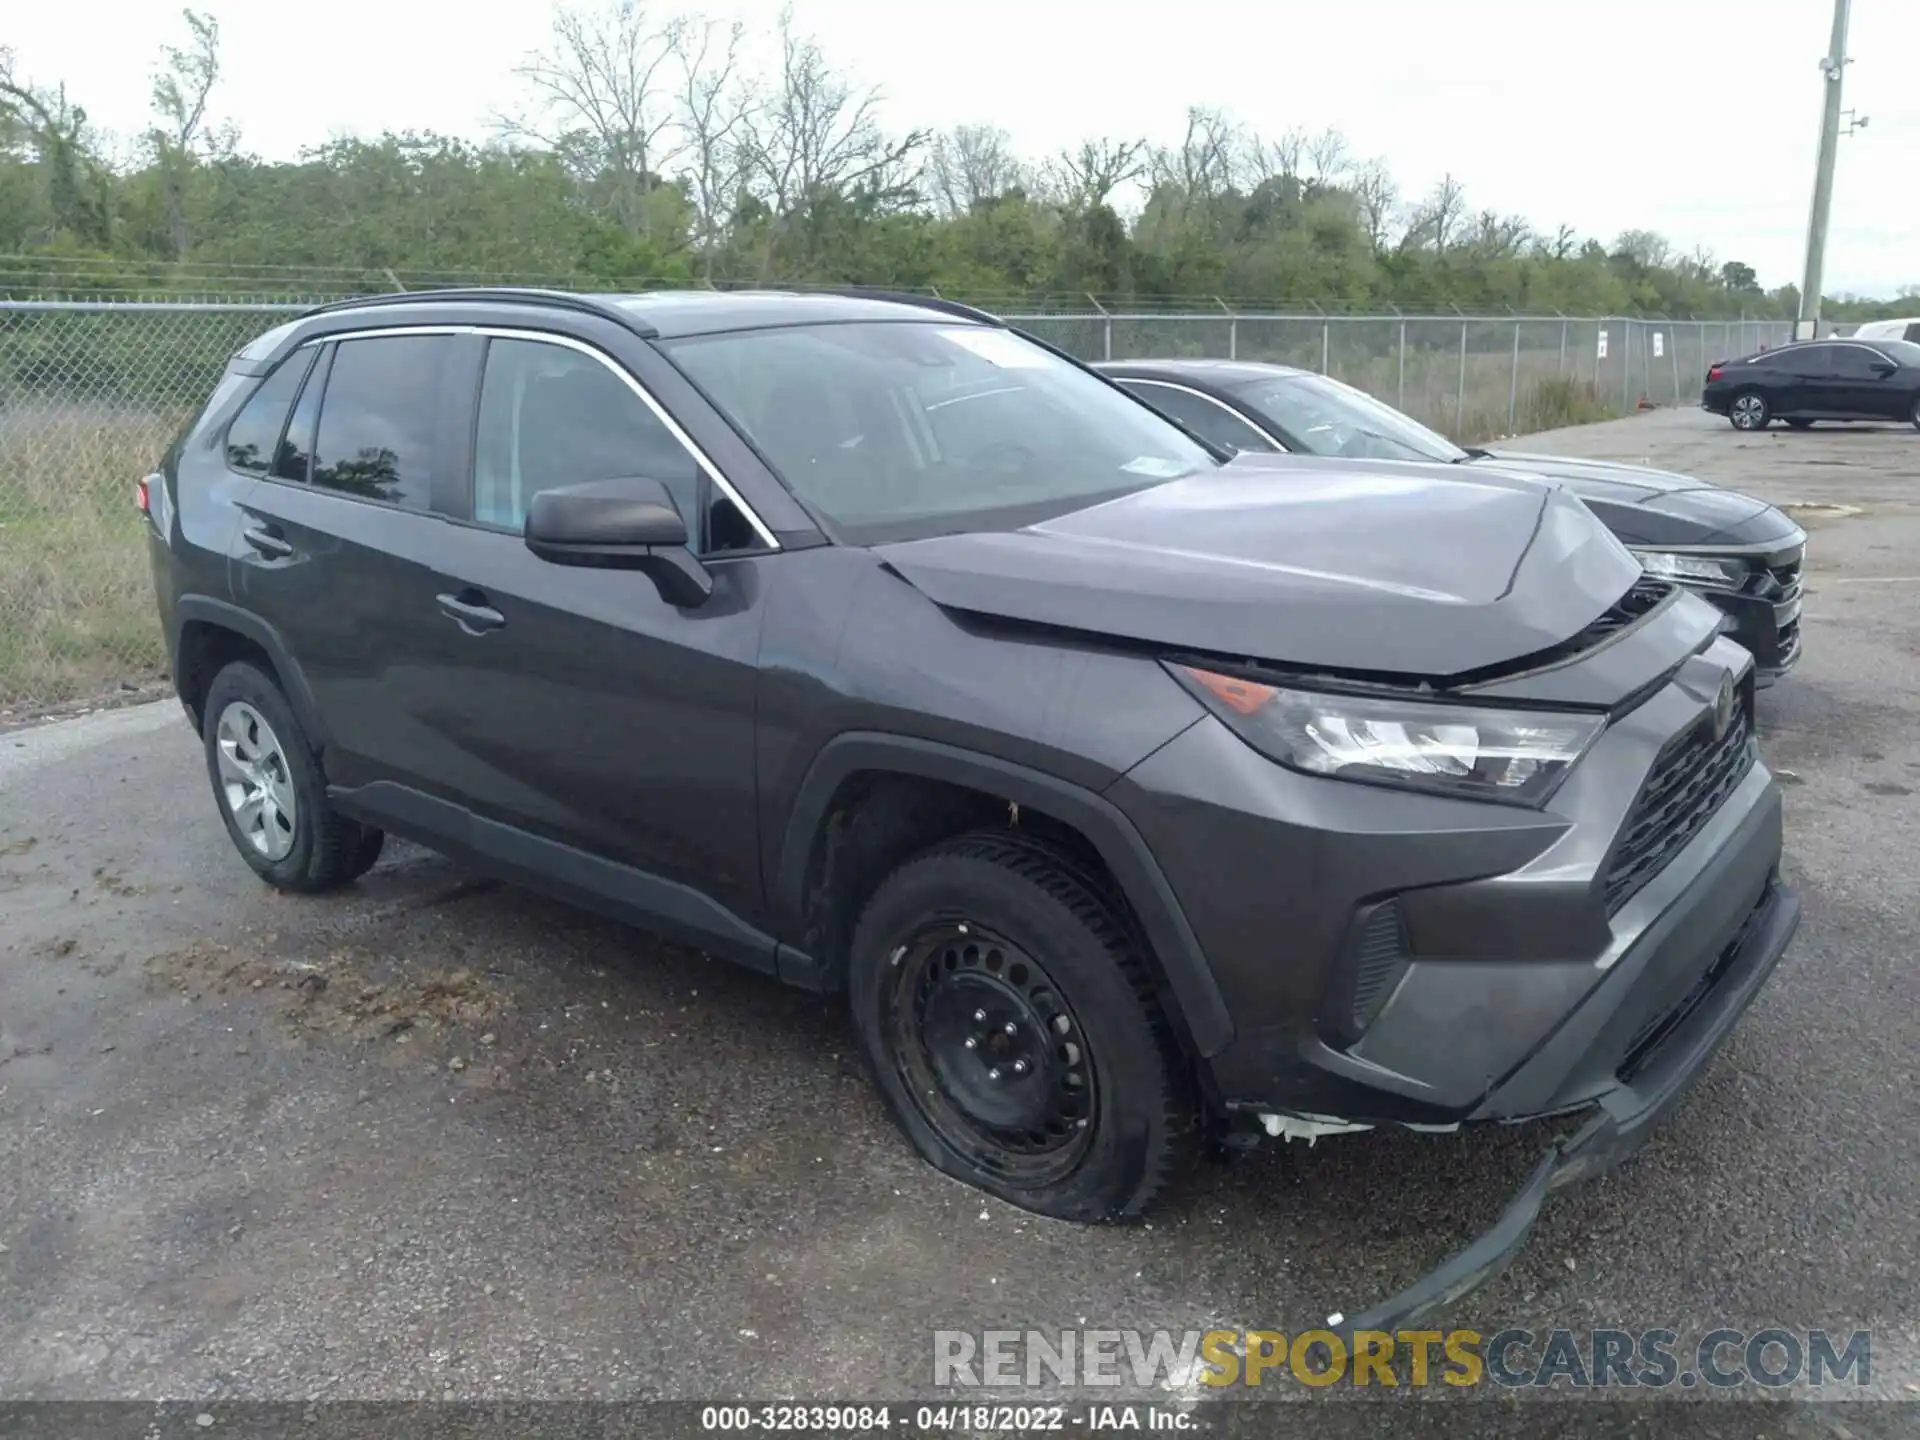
column 1749, row 411
column 1799, row 424
column 1914, row 413
column 262, row 765
column 1011, row 1025
column 372, row 842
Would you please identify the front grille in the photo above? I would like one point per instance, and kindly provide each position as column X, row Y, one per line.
column 1690, row 781
column 1647, row 1039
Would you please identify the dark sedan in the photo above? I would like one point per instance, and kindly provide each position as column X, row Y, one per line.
column 1817, row 380
column 1741, row 553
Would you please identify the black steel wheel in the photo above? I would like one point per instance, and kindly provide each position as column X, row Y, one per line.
column 1011, row 1024
column 982, row 1035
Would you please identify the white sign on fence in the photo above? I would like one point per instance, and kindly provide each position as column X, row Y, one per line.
column 1659, row 341
column 1603, row 345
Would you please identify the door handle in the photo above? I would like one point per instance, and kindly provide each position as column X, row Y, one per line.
column 267, row 542
column 475, row 616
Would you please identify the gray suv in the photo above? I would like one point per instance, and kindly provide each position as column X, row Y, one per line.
column 1132, row 791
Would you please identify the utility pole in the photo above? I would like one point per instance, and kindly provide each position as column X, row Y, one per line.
column 1830, row 68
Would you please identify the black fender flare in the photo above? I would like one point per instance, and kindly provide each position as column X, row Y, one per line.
column 1202, row 1010
column 223, row 615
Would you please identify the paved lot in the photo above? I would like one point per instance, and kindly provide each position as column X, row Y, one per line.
column 510, row 1150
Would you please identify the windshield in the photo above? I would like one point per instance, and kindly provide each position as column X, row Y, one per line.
column 898, row 430
column 1325, row 417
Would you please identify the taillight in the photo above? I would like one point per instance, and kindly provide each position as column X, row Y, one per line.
column 141, row 496
column 1714, row 372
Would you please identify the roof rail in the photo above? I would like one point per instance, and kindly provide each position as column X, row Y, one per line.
column 906, row 297
column 502, row 295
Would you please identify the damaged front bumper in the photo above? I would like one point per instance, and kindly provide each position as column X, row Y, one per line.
column 1620, row 1125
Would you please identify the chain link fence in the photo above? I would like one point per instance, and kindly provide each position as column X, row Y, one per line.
column 91, row 394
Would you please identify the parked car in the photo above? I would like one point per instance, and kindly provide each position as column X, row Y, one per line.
column 1817, row 380
column 880, row 649
column 1888, row 330
column 1741, row 553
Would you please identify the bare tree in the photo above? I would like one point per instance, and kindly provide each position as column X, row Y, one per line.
column 1436, row 219
column 1202, row 166
column 1378, row 197
column 181, row 134
column 1499, row 236
column 711, row 107
column 601, row 102
column 1087, row 175
column 814, row 137
column 1560, row 245
column 1281, row 159
column 969, row 164
column 1328, row 159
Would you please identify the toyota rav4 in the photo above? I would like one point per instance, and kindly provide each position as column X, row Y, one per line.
column 1128, row 789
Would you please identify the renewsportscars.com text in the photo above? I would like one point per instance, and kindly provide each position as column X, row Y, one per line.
column 1606, row 1358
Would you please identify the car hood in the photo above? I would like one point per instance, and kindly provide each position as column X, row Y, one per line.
column 1402, row 569
column 1644, row 506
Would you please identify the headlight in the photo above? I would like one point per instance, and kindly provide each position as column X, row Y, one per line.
column 1693, row 569
column 1516, row 756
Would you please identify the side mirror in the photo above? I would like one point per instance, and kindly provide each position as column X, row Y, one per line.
column 1884, row 368
column 629, row 524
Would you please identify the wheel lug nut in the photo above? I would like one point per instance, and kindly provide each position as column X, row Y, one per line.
column 1019, row 1067
column 972, row 1042
column 979, row 1015
column 994, row 1073
column 1011, row 1028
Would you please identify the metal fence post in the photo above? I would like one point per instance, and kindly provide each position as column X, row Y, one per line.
column 1460, row 394
column 1513, row 381
column 1106, row 328
column 1563, row 345
column 1326, row 336
column 1626, row 366
column 1233, row 329
column 1401, row 397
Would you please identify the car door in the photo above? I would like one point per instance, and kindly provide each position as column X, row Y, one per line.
column 1205, row 416
column 603, row 735
column 1863, row 380
column 340, row 538
column 1806, row 384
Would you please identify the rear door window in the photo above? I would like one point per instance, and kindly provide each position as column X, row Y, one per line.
column 255, row 431
column 379, row 416
column 294, row 459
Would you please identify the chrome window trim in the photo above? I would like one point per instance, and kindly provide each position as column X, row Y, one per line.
column 1257, row 429
column 547, row 337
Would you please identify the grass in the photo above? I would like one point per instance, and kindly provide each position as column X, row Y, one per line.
column 77, row 618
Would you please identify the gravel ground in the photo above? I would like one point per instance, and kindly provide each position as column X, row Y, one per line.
column 438, row 1137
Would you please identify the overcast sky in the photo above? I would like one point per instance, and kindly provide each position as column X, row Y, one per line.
column 1696, row 118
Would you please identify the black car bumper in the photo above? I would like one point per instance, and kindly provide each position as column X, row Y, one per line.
column 1622, row 1122
column 1763, row 616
